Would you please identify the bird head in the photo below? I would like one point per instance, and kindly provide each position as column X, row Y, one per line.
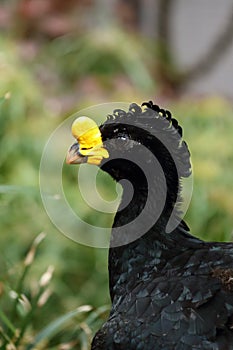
column 125, row 133
column 142, row 145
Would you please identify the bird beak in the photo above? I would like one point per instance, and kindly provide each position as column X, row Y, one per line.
column 73, row 155
column 93, row 155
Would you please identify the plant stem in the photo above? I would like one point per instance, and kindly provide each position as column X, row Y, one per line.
column 18, row 291
column 7, row 322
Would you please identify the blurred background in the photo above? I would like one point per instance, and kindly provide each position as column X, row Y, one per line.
column 57, row 57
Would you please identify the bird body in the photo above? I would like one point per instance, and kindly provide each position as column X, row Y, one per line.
column 169, row 290
column 180, row 299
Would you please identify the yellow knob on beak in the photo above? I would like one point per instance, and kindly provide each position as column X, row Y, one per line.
column 88, row 135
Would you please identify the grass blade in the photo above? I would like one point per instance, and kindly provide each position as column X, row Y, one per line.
column 7, row 322
column 54, row 326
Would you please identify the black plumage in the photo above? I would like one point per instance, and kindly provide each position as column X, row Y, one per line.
column 169, row 290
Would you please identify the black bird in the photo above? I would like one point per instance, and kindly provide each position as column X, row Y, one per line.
column 169, row 290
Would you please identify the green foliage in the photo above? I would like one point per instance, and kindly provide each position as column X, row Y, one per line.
column 208, row 127
column 105, row 54
column 20, row 304
column 20, row 107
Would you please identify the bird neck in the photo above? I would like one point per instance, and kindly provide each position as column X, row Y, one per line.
column 149, row 196
column 139, row 229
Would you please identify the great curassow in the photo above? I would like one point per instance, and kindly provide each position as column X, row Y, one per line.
column 169, row 290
